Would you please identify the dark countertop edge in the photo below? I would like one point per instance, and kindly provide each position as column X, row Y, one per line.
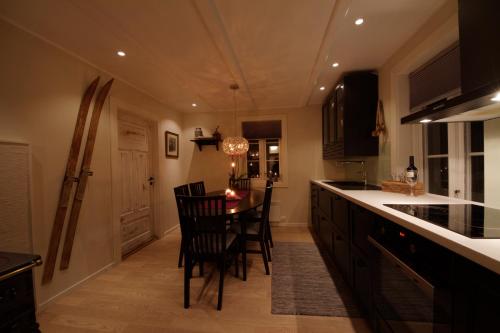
column 18, row 261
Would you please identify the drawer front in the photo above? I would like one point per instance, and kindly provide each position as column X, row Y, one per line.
column 325, row 203
column 325, row 235
column 341, row 253
column 340, row 213
column 16, row 295
column 363, row 224
column 314, row 196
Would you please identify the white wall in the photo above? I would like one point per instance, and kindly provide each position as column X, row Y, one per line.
column 40, row 92
column 491, row 163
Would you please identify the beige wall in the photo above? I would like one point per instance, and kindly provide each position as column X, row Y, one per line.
column 491, row 163
column 40, row 92
column 304, row 156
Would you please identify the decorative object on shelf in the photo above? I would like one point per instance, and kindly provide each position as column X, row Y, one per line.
column 380, row 129
column 216, row 134
column 198, row 132
column 171, row 145
column 403, row 188
column 235, row 145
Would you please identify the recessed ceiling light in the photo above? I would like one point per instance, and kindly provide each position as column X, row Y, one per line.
column 423, row 121
column 359, row 21
column 496, row 98
column 335, row 64
column 322, row 88
column 121, row 53
column 194, row 105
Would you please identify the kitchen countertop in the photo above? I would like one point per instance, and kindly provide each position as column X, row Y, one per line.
column 485, row 252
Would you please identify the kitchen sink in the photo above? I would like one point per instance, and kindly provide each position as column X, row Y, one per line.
column 351, row 185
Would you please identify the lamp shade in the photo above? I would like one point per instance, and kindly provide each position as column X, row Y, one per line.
column 235, row 145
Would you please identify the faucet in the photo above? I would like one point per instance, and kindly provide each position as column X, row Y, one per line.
column 363, row 168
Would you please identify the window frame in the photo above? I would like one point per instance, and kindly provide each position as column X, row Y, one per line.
column 283, row 143
column 459, row 160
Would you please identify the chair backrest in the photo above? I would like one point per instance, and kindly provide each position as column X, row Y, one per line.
column 181, row 190
column 197, row 189
column 240, row 184
column 266, row 207
column 204, row 221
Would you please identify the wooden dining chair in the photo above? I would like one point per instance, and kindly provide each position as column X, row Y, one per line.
column 255, row 228
column 181, row 190
column 240, row 184
column 207, row 238
column 197, row 189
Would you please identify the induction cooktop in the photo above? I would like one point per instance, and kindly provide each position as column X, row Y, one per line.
column 470, row 220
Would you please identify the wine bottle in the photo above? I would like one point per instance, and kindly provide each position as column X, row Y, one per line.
column 411, row 175
column 411, row 170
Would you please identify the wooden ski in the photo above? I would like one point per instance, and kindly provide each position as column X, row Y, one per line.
column 67, row 185
column 84, row 174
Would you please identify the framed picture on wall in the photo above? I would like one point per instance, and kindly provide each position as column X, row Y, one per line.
column 171, row 145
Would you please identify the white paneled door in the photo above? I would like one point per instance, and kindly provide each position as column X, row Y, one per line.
column 136, row 215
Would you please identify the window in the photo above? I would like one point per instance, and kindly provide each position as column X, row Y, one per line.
column 475, row 161
column 266, row 156
column 454, row 157
column 263, row 159
column 437, row 159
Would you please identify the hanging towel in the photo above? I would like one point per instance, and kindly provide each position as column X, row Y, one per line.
column 380, row 129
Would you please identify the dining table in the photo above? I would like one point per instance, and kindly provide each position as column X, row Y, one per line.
column 245, row 201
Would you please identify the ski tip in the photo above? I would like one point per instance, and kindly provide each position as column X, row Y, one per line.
column 95, row 82
column 105, row 89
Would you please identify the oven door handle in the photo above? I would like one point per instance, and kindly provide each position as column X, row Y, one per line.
column 424, row 285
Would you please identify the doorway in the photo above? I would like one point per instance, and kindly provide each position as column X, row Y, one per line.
column 136, row 183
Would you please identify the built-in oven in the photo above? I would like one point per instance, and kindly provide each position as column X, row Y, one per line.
column 410, row 289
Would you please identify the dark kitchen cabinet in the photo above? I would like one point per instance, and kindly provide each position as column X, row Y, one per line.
column 464, row 297
column 476, row 298
column 362, row 225
column 349, row 114
column 325, row 202
column 17, row 296
column 479, row 52
column 326, row 234
column 340, row 213
column 341, row 256
column 361, row 280
column 314, row 208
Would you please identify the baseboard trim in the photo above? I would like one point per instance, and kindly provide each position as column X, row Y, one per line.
column 42, row 306
column 288, row 224
column 175, row 227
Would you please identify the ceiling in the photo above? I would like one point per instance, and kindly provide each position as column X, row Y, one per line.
column 189, row 51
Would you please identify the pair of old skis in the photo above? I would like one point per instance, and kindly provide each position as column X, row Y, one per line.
column 69, row 179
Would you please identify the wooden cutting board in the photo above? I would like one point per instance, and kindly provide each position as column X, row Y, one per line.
column 404, row 188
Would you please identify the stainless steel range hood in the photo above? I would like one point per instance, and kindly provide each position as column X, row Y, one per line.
column 478, row 105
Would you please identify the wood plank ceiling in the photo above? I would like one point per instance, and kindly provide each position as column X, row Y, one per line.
column 189, row 51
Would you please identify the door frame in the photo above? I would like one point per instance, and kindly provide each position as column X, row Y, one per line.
column 118, row 107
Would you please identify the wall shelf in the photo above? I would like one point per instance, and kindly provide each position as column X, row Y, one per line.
column 207, row 141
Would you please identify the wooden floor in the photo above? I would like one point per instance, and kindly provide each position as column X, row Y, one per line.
column 144, row 294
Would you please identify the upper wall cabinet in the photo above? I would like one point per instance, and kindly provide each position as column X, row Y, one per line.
column 349, row 115
column 479, row 48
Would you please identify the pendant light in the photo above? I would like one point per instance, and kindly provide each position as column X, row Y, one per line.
column 235, row 145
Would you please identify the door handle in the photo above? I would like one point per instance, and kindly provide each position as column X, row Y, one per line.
column 151, row 180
